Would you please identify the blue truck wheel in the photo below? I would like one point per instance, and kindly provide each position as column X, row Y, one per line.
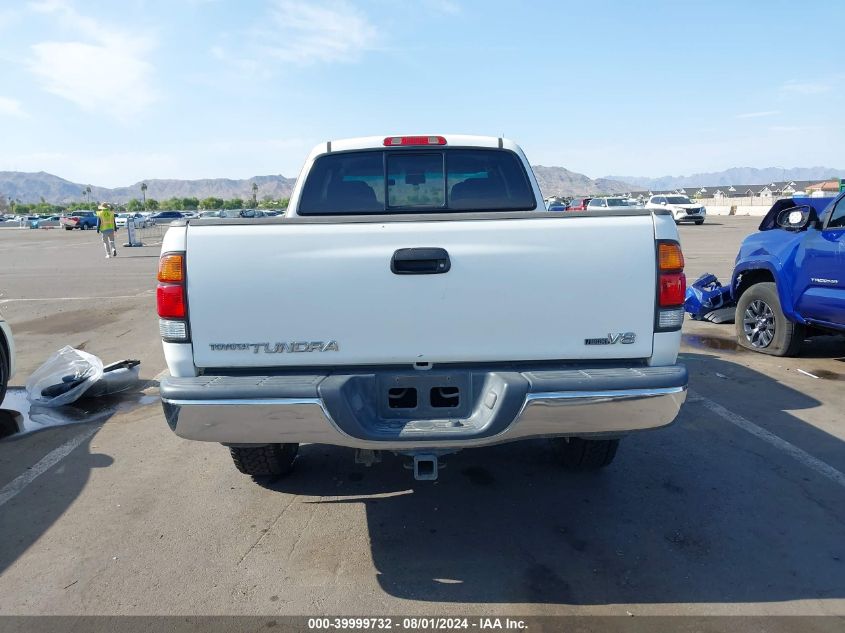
column 761, row 325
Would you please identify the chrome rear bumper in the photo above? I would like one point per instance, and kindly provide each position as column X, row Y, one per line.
column 338, row 409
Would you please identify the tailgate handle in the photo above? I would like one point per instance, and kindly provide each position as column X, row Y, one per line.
column 420, row 261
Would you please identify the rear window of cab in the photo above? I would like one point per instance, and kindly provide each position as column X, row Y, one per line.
column 416, row 181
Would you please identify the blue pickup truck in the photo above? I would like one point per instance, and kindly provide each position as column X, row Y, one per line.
column 81, row 220
column 789, row 277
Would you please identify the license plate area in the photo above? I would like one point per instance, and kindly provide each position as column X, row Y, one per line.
column 425, row 396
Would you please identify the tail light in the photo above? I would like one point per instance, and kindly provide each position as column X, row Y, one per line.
column 171, row 298
column 669, row 256
column 671, row 287
column 393, row 141
column 171, row 268
column 171, row 301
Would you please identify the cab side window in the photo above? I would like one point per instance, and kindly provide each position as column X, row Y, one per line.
column 837, row 216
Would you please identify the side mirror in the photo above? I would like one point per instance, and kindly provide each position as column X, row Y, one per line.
column 663, row 203
column 797, row 218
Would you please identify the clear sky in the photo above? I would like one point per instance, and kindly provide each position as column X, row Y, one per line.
column 109, row 93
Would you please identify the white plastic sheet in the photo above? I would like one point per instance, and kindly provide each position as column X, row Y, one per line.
column 65, row 376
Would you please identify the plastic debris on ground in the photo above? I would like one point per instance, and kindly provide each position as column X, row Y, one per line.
column 18, row 416
column 63, row 379
column 70, row 374
column 708, row 300
column 117, row 378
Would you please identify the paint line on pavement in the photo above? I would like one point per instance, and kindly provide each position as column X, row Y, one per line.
column 17, row 485
column 822, row 468
column 135, row 296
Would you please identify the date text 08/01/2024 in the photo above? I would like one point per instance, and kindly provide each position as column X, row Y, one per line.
column 415, row 623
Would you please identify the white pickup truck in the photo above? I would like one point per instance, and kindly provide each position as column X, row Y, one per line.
column 418, row 298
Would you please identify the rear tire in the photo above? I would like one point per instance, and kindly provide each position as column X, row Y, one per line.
column 68, row 228
column 761, row 325
column 578, row 454
column 273, row 460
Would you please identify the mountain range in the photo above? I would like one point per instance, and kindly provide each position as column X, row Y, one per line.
column 554, row 181
column 734, row 176
column 32, row 187
column 559, row 181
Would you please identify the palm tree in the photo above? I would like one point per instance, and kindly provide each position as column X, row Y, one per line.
column 87, row 193
column 144, row 194
column 254, row 193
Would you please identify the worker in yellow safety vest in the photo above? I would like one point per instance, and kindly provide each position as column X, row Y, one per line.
column 106, row 228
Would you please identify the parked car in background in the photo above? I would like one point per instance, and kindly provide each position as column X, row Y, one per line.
column 46, row 222
column 80, row 220
column 228, row 214
column 223, row 214
column 789, row 277
column 7, row 357
column 166, row 216
column 611, row 202
column 578, row 204
column 683, row 209
column 122, row 218
column 557, row 206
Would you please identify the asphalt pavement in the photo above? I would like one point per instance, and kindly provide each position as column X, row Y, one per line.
column 736, row 509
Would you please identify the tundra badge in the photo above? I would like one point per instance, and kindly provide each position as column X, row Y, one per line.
column 292, row 347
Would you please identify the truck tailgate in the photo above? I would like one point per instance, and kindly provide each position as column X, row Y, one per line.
column 310, row 294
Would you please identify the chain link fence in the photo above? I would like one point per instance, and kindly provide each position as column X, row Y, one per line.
column 153, row 233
